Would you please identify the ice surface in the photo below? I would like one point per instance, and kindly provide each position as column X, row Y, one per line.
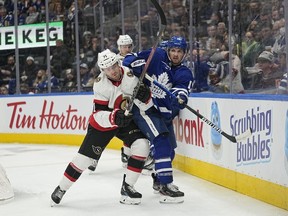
column 35, row 170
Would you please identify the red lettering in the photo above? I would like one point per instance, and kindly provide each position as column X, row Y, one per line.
column 48, row 119
column 189, row 131
column 21, row 121
column 67, row 120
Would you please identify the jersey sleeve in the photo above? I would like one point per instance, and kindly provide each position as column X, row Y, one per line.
column 105, row 101
column 182, row 82
column 137, row 61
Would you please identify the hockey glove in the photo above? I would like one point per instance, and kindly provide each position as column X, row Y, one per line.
column 143, row 93
column 182, row 100
column 121, row 119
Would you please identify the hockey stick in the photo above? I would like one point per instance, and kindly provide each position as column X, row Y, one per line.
column 233, row 139
column 154, row 47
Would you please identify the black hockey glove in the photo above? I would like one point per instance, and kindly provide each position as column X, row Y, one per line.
column 121, row 119
column 143, row 93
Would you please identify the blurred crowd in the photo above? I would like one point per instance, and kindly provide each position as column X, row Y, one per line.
column 257, row 40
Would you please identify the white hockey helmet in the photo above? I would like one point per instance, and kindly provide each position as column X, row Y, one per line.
column 106, row 59
column 124, row 40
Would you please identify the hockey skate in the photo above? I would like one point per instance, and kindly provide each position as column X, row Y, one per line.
column 93, row 166
column 170, row 193
column 56, row 196
column 129, row 195
column 124, row 158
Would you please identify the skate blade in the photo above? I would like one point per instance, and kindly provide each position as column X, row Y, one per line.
column 171, row 200
column 6, row 200
column 92, row 172
column 156, row 191
column 52, row 203
column 130, row 201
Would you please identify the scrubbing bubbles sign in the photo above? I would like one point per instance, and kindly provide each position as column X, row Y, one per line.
column 30, row 36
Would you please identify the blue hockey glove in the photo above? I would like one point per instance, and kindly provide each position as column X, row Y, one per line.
column 182, row 100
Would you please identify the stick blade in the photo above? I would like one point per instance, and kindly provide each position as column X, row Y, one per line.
column 244, row 135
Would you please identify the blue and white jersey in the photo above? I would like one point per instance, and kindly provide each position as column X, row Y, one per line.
column 176, row 79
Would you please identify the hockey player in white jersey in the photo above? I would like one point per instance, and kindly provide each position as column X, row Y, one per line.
column 112, row 88
column 125, row 46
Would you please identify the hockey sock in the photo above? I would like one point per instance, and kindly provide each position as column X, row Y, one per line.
column 71, row 175
column 74, row 170
column 162, row 156
column 134, row 169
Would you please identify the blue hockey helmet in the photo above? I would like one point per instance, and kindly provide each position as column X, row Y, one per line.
column 178, row 42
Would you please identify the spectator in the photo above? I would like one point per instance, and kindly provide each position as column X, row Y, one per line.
column 95, row 47
column 222, row 31
column 25, row 89
column 89, row 59
column 86, row 40
column 180, row 15
column 58, row 13
column 42, row 14
column 43, row 86
column 267, row 36
column 38, row 4
column 23, row 6
column 3, row 90
column 90, row 82
column 279, row 35
column 21, row 18
column 265, row 15
column 221, row 80
column 215, row 18
column 282, row 87
column 9, row 5
column 145, row 42
column 60, row 57
column 212, row 32
column 29, row 72
column 84, row 74
column 33, row 16
column 149, row 22
column 266, row 78
column 275, row 15
column 26, row 77
column 201, row 69
column 252, row 14
column 70, row 83
column 8, row 71
column 40, row 78
column 6, row 19
column 217, row 43
column 248, row 41
column 254, row 50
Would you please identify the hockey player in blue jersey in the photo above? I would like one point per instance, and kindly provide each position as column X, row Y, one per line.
column 154, row 118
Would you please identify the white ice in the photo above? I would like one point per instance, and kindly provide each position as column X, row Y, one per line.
column 35, row 170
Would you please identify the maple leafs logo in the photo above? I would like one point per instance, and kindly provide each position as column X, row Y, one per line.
column 163, row 79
